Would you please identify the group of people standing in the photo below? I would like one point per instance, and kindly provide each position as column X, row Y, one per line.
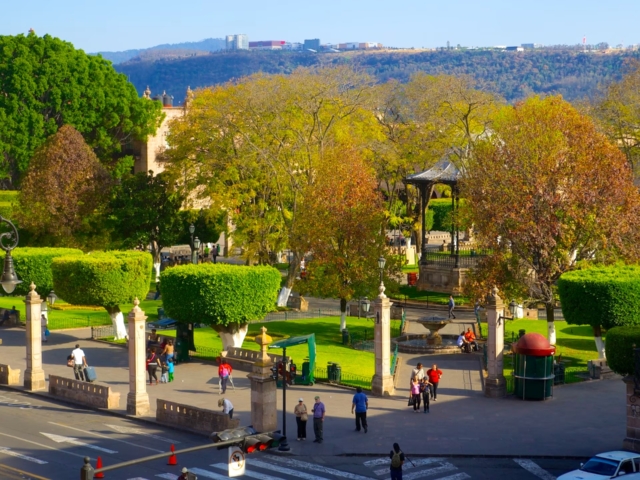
column 424, row 387
column 160, row 356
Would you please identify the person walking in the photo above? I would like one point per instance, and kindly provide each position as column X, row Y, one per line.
column 224, row 372
column 227, row 406
column 425, row 391
column 452, row 305
column 215, row 251
column 360, row 404
column 79, row 362
column 167, row 351
column 434, row 375
column 301, row 419
column 153, row 362
column 397, row 460
column 45, row 330
column 415, row 394
column 318, row 419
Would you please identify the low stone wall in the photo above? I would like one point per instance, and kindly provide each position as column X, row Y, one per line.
column 9, row 376
column 84, row 393
column 440, row 278
column 193, row 418
column 242, row 359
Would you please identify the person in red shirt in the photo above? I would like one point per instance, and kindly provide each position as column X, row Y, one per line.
column 471, row 338
column 434, row 377
column 224, row 371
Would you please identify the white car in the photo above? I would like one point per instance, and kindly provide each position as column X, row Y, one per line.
column 607, row 465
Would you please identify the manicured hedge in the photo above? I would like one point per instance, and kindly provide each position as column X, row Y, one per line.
column 619, row 349
column 601, row 296
column 34, row 265
column 441, row 208
column 107, row 279
column 219, row 294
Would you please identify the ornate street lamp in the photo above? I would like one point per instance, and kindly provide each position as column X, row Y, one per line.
column 52, row 297
column 196, row 251
column 9, row 278
column 381, row 263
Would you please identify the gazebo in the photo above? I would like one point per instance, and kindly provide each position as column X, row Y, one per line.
column 439, row 272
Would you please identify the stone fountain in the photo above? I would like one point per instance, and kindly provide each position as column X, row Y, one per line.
column 433, row 343
column 434, row 324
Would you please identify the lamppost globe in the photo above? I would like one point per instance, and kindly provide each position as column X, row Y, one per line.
column 192, row 228
column 512, row 308
column 366, row 305
column 196, row 243
column 9, row 279
column 381, row 262
column 52, row 297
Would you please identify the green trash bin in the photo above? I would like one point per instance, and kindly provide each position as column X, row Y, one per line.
column 331, row 372
column 337, row 372
column 305, row 371
column 345, row 337
column 533, row 367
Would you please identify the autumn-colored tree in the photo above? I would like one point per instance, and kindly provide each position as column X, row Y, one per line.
column 341, row 218
column 63, row 192
column 545, row 191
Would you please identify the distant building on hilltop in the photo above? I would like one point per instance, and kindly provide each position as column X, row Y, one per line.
column 313, row 44
column 267, row 45
column 237, row 42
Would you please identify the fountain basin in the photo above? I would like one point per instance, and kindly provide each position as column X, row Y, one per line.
column 434, row 323
column 413, row 343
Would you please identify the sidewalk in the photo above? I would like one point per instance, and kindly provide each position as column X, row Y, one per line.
column 580, row 420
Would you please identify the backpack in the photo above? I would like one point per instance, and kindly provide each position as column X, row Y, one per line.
column 396, row 461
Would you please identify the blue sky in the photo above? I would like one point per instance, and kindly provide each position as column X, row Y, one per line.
column 119, row 25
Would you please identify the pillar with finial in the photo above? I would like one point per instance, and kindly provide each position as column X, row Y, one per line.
column 495, row 385
column 137, row 398
column 34, row 374
column 263, row 388
column 382, row 383
column 147, row 93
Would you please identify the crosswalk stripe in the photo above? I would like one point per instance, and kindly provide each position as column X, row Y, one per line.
column 318, row 468
column 445, row 467
column 376, row 462
column 532, row 467
column 137, row 478
column 457, row 476
column 168, row 476
column 283, row 470
column 249, row 473
column 207, row 474
column 411, row 464
column 8, row 451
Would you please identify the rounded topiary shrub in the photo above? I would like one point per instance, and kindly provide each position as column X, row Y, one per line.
column 226, row 297
column 619, row 348
column 601, row 296
column 34, row 265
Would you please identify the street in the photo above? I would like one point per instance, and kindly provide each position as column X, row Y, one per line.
column 46, row 440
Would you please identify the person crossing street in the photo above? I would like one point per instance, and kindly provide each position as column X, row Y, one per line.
column 360, row 403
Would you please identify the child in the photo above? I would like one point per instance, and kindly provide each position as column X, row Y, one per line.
column 424, row 390
column 165, row 369
column 170, row 361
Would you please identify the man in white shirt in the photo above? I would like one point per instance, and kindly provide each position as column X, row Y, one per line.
column 79, row 362
column 227, row 406
column 463, row 343
column 417, row 372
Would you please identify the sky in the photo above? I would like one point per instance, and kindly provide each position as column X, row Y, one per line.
column 115, row 25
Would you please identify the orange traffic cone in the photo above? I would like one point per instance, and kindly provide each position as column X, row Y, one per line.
column 173, row 460
column 99, row 465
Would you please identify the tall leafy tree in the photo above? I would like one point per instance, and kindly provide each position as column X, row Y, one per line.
column 144, row 213
column 545, row 191
column 341, row 219
column 46, row 83
column 64, row 192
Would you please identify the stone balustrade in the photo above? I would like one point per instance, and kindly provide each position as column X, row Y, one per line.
column 9, row 376
column 84, row 393
column 192, row 418
column 242, row 359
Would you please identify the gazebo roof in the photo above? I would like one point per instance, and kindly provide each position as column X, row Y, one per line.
column 442, row 172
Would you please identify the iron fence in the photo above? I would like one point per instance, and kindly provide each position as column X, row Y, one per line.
column 343, row 378
column 205, row 353
column 467, row 257
column 79, row 322
column 295, row 315
column 101, row 332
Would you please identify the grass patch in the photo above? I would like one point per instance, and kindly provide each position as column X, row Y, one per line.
column 410, row 269
column 412, row 293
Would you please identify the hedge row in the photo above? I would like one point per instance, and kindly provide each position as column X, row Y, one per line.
column 34, row 265
column 107, row 279
column 619, row 349
column 601, row 296
column 219, row 294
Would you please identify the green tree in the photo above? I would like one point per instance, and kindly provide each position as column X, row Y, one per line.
column 47, row 83
column 208, row 222
column 544, row 192
column 106, row 279
column 144, row 212
column 64, row 192
column 225, row 297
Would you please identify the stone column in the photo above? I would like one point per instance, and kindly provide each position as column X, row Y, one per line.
column 382, row 383
column 264, row 408
column 632, row 440
column 34, row 375
column 137, row 398
column 495, row 385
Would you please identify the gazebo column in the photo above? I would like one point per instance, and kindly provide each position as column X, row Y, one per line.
column 423, row 200
column 457, row 227
column 453, row 223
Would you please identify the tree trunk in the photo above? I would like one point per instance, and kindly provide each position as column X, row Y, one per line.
column 597, row 334
column 283, row 296
column 157, row 258
column 551, row 326
column 293, row 268
column 117, row 320
column 343, row 313
column 232, row 335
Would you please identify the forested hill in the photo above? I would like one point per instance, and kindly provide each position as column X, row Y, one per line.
column 514, row 75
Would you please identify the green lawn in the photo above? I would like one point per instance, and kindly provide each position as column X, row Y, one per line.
column 412, row 293
column 79, row 317
column 410, row 269
column 356, row 364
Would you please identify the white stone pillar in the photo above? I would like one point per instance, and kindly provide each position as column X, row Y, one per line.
column 264, row 408
column 495, row 385
column 382, row 383
column 137, row 398
column 34, row 374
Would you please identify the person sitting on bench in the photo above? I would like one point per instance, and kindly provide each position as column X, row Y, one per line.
column 463, row 343
column 470, row 337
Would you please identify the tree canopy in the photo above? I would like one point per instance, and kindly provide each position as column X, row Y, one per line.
column 47, row 83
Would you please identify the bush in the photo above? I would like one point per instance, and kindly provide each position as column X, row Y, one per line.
column 219, row 294
column 601, row 296
column 619, row 349
column 441, row 208
column 34, row 265
column 107, row 279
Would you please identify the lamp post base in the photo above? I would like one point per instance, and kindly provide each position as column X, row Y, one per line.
column 284, row 445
